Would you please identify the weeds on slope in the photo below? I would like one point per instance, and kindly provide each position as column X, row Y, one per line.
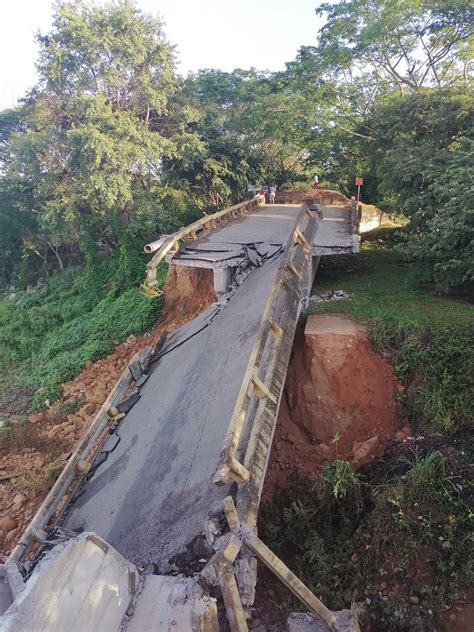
column 47, row 335
column 399, row 542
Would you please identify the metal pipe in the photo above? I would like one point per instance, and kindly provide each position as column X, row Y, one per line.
column 153, row 246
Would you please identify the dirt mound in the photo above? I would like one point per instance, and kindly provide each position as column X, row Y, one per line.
column 339, row 400
column 187, row 291
column 325, row 196
column 36, row 451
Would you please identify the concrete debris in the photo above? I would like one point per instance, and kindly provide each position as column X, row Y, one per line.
column 82, row 585
column 135, row 369
column 330, row 295
column 346, row 621
column 172, row 603
column 246, row 572
column 141, row 381
column 211, row 530
column 192, row 558
column 11, row 585
column 127, row 404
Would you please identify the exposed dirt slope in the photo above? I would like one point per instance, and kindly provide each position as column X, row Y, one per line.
column 187, row 291
column 339, row 400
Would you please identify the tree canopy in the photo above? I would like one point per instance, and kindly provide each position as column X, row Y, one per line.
column 112, row 146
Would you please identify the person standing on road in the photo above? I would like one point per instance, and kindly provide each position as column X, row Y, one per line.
column 316, row 183
column 272, row 194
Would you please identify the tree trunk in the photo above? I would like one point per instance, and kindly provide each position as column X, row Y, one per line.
column 55, row 251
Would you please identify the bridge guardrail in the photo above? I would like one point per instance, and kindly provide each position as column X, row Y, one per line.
column 170, row 243
column 261, row 388
column 252, row 424
column 78, row 465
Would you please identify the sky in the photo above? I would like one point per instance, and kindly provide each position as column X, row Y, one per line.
column 224, row 34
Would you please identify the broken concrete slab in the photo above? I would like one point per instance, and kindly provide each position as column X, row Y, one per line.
column 173, row 603
column 334, row 233
column 82, row 585
column 135, row 369
column 128, row 403
column 11, row 585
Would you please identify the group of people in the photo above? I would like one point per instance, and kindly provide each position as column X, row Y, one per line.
column 269, row 192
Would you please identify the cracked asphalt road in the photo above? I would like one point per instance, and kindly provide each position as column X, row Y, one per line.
column 153, row 494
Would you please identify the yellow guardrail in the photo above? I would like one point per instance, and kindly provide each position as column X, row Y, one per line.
column 233, row 568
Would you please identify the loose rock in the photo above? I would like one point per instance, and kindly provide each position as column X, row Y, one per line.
column 7, row 523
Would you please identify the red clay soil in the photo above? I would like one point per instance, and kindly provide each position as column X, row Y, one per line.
column 460, row 617
column 187, row 290
column 325, row 196
column 47, row 441
column 339, row 401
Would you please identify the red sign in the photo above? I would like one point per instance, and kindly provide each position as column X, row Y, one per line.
column 359, row 182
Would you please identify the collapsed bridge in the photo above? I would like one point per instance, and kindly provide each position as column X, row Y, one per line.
column 175, row 487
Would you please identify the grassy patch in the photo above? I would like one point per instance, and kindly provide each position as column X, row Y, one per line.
column 47, row 335
column 310, row 525
column 428, row 338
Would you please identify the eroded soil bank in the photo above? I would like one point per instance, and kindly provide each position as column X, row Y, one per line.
column 187, row 291
column 340, row 401
column 362, row 507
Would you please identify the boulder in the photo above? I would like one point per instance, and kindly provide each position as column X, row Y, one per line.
column 7, row 523
column 36, row 418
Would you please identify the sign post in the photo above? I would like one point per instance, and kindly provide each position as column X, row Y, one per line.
column 359, row 182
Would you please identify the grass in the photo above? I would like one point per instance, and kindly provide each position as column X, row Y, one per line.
column 428, row 338
column 402, row 529
column 47, row 335
column 310, row 525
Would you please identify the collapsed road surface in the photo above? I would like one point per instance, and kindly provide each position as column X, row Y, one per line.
column 153, row 494
column 203, row 413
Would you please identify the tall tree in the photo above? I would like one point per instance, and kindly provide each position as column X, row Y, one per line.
column 90, row 140
column 422, row 156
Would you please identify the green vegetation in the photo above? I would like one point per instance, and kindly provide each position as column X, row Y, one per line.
column 49, row 334
column 311, row 524
column 427, row 338
column 398, row 542
column 421, row 153
column 111, row 144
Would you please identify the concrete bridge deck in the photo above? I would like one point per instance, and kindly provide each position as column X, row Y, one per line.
column 151, row 488
column 334, row 234
column 155, row 491
column 153, row 494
